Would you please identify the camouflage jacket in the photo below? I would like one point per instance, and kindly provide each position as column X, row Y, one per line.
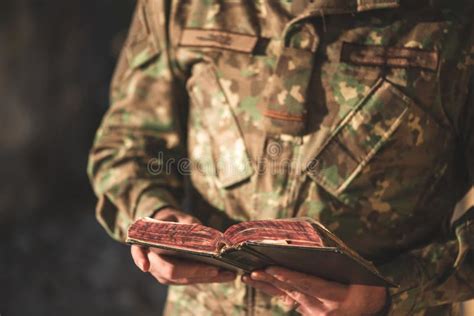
column 358, row 113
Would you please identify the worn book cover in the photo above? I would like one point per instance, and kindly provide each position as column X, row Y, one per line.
column 300, row 244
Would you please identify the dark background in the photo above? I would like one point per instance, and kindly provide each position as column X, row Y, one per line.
column 56, row 60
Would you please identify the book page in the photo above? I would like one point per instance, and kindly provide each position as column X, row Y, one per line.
column 195, row 237
column 288, row 232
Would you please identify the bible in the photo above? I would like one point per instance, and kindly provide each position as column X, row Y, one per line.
column 302, row 245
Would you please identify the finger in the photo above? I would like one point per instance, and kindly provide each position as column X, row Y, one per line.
column 270, row 290
column 308, row 305
column 174, row 268
column 308, row 312
column 263, row 286
column 307, row 301
column 140, row 258
column 310, row 285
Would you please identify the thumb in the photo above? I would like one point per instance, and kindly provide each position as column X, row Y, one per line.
column 140, row 258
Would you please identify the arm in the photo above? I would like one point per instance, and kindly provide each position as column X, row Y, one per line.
column 442, row 273
column 437, row 274
column 142, row 127
column 311, row 295
column 142, row 130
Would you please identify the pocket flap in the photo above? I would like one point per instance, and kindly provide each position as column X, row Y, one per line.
column 358, row 137
column 231, row 158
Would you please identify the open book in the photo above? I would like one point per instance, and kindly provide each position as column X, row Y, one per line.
column 302, row 245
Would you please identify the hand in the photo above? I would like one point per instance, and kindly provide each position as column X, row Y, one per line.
column 175, row 271
column 314, row 296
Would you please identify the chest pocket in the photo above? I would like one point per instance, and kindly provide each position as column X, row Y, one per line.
column 231, row 160
column 385, row 120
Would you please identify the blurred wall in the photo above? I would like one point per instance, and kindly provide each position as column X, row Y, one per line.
column 56, row 60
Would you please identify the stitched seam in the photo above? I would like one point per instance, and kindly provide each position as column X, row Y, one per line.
column 283, row 116
column 216, row 47
column 372, row 152
column 338, row 188
column 403, row 57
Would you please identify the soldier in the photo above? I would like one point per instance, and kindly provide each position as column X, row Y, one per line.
column 358, row 113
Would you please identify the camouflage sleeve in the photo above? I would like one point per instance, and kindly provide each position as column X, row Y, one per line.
column 141, row 130
column 443, row 272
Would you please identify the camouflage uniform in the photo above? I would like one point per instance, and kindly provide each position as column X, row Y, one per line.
column 358, row 113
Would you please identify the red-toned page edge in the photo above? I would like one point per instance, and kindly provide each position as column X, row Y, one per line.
column 193, row 237
column 293, row 232
column 200, row 238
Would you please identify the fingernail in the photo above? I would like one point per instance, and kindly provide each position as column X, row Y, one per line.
column 259, row 276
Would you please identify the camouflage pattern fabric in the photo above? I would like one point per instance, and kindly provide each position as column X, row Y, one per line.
column 380, row 150
column 284, row 97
